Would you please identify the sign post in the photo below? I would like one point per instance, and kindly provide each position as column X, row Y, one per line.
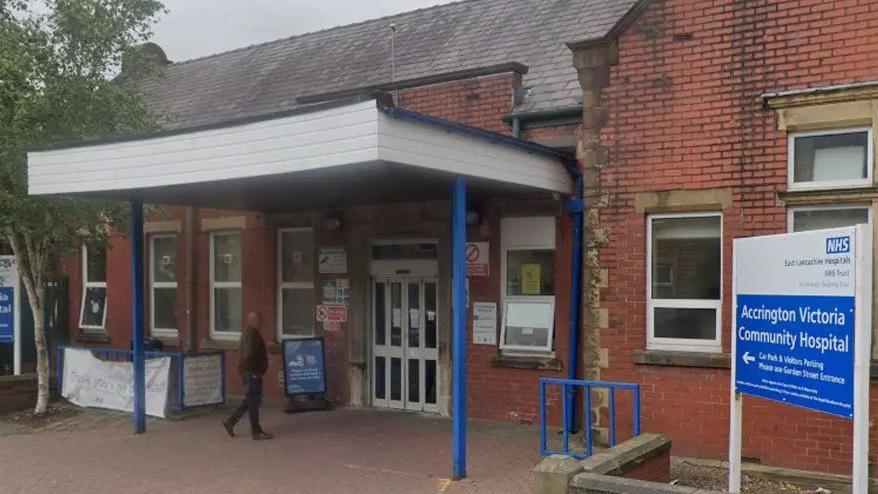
column 802, row 331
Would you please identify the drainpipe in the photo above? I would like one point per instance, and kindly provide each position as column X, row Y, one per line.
column 190, row 279
column 516, row 128
column 576, row 208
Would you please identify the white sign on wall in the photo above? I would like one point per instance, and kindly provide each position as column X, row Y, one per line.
column 91, row 382
column 802, row 330
column 202, row 380
column 485, row 323
column 332, row 260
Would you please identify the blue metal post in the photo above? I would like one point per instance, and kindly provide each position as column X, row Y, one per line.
column 636, row 410
column 458, row 317
column 612, row 416
column 575, row 207
column 137, row 306
column 589, row 442
column 544, row 445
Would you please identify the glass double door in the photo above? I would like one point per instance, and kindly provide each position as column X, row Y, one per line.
column 405, row 343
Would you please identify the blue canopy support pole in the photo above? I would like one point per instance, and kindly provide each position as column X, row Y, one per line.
column 458, row 317
column 576, row 208
column 137, row 305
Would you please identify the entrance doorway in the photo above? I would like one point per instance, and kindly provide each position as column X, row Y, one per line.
column 405, row 343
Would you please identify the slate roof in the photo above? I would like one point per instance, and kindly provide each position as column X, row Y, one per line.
column 469, row 34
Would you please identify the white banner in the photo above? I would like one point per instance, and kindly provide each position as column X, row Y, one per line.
column 91, row 382
column 202, row 380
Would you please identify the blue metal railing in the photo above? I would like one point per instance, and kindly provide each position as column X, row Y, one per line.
column 176, row 380
column 568, row 388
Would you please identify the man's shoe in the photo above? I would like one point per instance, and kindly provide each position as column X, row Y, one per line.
column 262, row 436
column 229, row 427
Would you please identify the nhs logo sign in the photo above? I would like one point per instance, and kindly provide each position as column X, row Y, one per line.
column 838, row 245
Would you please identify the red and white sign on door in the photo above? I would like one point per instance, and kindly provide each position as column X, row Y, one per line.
column 477, row 260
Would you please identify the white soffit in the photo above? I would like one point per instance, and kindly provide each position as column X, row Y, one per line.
column 341, row 136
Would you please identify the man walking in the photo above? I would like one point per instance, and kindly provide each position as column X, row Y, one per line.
column 252, row 364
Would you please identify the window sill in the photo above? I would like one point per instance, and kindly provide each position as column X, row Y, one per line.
column 167, row 340
column 93, row 337
column 222, row 345
column 819, row 196
column 535, row 362
column 712, row 360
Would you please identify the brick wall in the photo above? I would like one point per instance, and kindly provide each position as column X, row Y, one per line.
column 686, row 112
column 481, row 102
column 656, row 469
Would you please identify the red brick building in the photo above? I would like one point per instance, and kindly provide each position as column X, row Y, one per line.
column 706, row 104
column 693, row 122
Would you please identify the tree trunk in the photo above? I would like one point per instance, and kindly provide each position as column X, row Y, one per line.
column 29, row 259
column 42, row 353
column 36, row 296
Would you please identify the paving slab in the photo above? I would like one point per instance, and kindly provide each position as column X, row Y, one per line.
column 340, row 451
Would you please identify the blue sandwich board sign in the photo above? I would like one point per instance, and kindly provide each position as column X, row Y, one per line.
column 801, row 331
column 304, row 366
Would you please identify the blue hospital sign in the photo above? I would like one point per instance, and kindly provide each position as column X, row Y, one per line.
column 795, row 319
column 8, row 284
column 304, row 366
column 7, row 314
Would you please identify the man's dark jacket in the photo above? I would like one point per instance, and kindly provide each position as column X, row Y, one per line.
column 252, row 355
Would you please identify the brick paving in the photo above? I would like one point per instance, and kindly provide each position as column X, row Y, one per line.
column 342, row 451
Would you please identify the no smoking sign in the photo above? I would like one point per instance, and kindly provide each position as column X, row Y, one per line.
column 477, row 260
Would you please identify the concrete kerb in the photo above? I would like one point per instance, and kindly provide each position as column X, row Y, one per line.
column 556, row 473
column 590, row 483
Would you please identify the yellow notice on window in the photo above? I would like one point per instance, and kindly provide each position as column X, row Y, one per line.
column 530, row 279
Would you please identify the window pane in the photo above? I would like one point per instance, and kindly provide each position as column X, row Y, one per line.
column 298, row 311
column 414, row 314
column 404, row 251
column 164, row 259
column 396, row 379
column 697, row 324
column 414, row 391
column 527, row 336
column 95, row 304
column 686, row 258
column 395, row 314
column 97, row 264
column 430, row 381
column 164, row 302
column 828, row 218
column 530, row 272
column 380, row 376
column 227, row 310
column 527, row 324
column 297, row 256
column 430, row 315
column 831, row 157
column 227, row 257
column 380, row 315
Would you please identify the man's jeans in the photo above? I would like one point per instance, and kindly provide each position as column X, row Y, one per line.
column 250, row 403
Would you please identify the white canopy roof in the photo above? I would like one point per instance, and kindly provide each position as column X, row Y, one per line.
column 329, row 156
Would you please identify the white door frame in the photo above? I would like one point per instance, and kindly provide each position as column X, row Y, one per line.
column 403, row 272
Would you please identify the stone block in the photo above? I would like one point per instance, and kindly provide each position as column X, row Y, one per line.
column 554, row 473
